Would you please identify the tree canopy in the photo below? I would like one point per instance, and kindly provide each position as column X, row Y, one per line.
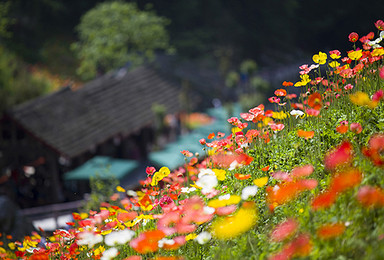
column 113, row 34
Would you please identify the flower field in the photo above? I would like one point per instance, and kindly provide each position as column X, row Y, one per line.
column 304, row 180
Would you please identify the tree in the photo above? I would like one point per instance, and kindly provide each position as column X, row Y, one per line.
column 113, row 34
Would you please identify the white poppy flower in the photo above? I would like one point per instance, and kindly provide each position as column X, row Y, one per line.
column 109, row 254
column 203, row 237
column 119, row 237
column 248, row 191
column 296, row 113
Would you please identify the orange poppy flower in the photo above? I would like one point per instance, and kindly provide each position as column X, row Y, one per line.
column 346, row 180
column 211, row 135
column 240, row 176
column 342, row 129
column 287, row 84
column 329, row 231
column 371, row 196
column 288, row 191
column 265, row 169
column 126, row 216
column 168, row 258
column 145, row 203
column 305, row 134
column 324, row 200
column 147, row 242
column 315, row 101
column 280, row 92
column 300, row 246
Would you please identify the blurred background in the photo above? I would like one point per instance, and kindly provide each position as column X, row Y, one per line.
column 122, row 85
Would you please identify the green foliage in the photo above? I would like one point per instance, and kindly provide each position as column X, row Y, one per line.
column 101, row 191
column 115, row 33
column 17, row 85
column 5, row 21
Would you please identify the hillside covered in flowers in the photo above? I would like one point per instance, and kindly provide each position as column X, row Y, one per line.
column 301, row 181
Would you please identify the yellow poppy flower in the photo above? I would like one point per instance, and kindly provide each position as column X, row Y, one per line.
column 260, row 182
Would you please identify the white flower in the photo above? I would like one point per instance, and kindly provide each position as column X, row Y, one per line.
column 131, row 193
column 208, row 210
column 88, row 238
column 165, row 241
column 225, row 197
column 296, row 113
column 207, row 183
column 203, row 237
column 234, row 165
column 248, row 191
column 204, row 172
column 119, row 237
column 382, row 34
column 109, row 254
column 187, row 190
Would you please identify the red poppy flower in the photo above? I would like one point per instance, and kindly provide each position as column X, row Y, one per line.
column 324, row 200
column 300, row 246
column 297, row 106
column 342, row 154
column 378, row 95
column 353, row 37
column 284, row 230
column 312, row 112
column 291, row 96
column 302, row 171
column 375, row 149
column 356, row 128
column 211, row 135
column 329, row 231
column 224, row 211
column 150, row 170
column 379, row 25
column 247, row 116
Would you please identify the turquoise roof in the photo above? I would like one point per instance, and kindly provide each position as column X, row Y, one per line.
column 103, row 167
column 171, row 157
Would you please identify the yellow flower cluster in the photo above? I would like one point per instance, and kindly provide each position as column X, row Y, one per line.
column 233, row 226
column 355, row 55
column 320, row 58
column 377, row 52
column 279, row 115
column 161, row 174
column 220, row 174
column 304, row 81
column 362, row 99
column 218, row 203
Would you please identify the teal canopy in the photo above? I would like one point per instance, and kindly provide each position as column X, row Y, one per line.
column 171, row 156
column 103, row 167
